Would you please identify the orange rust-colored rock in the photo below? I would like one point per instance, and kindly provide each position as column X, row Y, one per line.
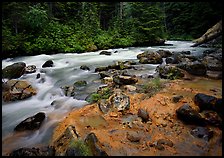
column 112, row 132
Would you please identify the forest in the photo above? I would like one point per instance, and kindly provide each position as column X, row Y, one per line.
column 30, row 28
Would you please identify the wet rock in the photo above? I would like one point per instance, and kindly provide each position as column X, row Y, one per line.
column 212, row 118
column 95, row 146
column 169, row 72
column 219, row 107
column 143, row 114
column 120, row 101
column 194, row 68
column 130, row 88
column 14, row 90
column 64, row 140
column 80, row 83
column 84, row 67
column 44, row 151
column 202, row 132
column 214, row 74
column 176, row 98
column 102, row 68
column 48, row 63
column 205, row 102
column 212, row 63
column 30, row 69
column 31, row 123
column 105, row 53
column 69, row 90
column 170, row 60
column 164, row 53
column 149, row 57
column 124, row 80
column 188, row 115
column 38, row 76
column 104, row 74
column 13, row 71
column 104, row 105
column 133, row 136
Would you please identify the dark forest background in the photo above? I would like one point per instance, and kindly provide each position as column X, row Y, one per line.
column 30, row 28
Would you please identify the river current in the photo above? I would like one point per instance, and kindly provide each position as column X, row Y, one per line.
column 66, row 71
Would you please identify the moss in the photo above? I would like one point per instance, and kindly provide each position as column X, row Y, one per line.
column 81, row 148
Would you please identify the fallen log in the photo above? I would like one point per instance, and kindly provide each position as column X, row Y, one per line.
column 211, row 34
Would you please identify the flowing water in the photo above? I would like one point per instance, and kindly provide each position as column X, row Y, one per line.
column 66, row 71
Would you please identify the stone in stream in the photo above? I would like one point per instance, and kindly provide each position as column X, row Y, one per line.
column 190, row 116
column 105, row 53
column 150, row 57
column 164, row 53
column 48, row 63
column 14, row 90
column 202, row 132
column 84, row 67
column 124, row 80
column 169, row 72
column 13, row 71
column 30, row 69
column 31, row 123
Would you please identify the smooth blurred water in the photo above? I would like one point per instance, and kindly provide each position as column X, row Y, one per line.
column 66, row 71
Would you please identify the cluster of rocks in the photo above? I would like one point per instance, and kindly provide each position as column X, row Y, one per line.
column 210, row 114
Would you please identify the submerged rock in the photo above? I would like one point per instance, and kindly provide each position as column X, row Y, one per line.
column 189, row 115
column 15, row 70
column 31, row 123
column 202, row 132
column 105, row 53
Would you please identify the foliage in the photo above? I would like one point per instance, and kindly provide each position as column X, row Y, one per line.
column 104, row 93
column 51, row 27
column 80, row 147
column 152, row 87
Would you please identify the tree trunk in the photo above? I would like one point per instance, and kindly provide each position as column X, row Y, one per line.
column 211, row 34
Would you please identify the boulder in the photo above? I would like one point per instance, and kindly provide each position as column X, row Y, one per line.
column 150, row 57
column 30, row 69
column 120, row 101
column 124, row 80
column 169, row 72
column 212, row 63
column 194, row 68
column 31, row 123
column 164, row 53
column 95, row 146
column 14, row 90
column 48, row 63
column 13, row 71
column 189, row 116
column 205, row 102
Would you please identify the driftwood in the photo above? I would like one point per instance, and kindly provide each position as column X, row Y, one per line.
column 211, row 34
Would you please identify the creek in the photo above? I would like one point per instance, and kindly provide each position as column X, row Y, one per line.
column 66, row 71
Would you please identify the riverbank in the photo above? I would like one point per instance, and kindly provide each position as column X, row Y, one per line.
column 114, row 133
